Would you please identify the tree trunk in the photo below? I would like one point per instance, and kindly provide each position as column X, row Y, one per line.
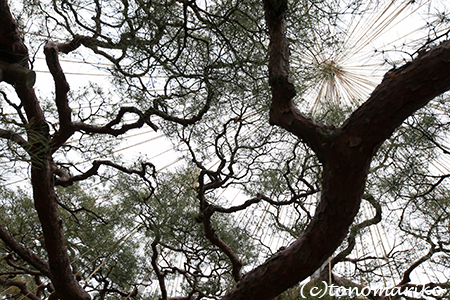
column 45, row 198
column 345, row 153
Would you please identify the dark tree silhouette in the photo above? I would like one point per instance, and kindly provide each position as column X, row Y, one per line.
column 345, row 154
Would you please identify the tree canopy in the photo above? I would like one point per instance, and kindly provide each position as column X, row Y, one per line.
column 286, row 161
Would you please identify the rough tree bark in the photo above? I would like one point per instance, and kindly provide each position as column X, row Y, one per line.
column 45, row 198
column 344, row 152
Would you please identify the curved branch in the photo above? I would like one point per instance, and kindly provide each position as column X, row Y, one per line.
column 406, row 275
column 96, row 44
column 184, row 121
column 109, row 128
column 24, row 253
column 22, row 269
column 282, row 111
column 403, row 91
column 345, row 153
column 15, row 137
column 67, row 181
column 257, row 199
column 204, row 217
column 215, row 240
column 66, row 128
column 22, row 286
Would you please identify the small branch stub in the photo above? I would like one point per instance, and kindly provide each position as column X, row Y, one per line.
column 14, row 74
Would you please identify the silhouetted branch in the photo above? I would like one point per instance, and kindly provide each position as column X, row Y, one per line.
column 22, row 286
column 96, row 164
column 24, row 253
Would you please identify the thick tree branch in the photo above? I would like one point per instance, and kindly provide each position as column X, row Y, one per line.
column 282, row 111
column 12, row 136
column 45, row 198
column 206, row 211
column 22, row 286
column 11, row 47
column 217, row 241
column 22, row 269
column 351, row 239
column 24, row 252
column 402, row 92
column 345, row 152
column 343, row 184
column 66, row 128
